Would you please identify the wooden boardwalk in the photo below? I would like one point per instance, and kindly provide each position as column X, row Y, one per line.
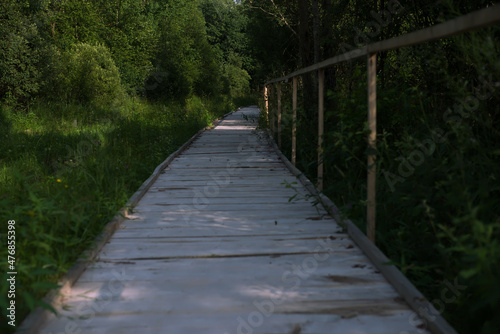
column 216, row 247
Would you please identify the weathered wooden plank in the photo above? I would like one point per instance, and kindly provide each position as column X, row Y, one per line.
column 242, row 191
column 232, row 226
column 245, row 158
column 197, row 226
column 158, row 217
column 227, row 247
column 232, row 322
column 230, row 150
column 206, row 206
column 209, row 231
column 222, row 158
column 344, row 273
column 161, row 199
column 229, row 226
column 358, row 263
column 247, row 184
column 247, row 173
column 189, row 213
column 216, row 189
column 183, row 192
column 241, row 177
column 216, row 302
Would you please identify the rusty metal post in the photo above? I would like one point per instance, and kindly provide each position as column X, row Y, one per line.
column 294, row 121
column 271, row 109
column 266, row 101
column 321, row 100
column 279, row 114
column 372, row 146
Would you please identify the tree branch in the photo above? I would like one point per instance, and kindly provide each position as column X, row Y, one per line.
column 279, row 18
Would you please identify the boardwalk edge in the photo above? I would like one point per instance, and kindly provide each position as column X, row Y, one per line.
column 35, row 320
column 415, row 299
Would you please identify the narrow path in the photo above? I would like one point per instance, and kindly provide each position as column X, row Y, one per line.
column 217, row 247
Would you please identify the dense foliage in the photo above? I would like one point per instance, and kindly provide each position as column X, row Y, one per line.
column 437, row 156
column 162, row 49
column 94, row 94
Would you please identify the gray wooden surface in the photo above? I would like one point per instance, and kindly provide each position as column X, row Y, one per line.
column 216, row 246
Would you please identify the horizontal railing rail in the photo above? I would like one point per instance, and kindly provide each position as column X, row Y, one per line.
column 473, row 21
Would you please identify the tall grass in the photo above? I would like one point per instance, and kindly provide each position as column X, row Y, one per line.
column 66, row 169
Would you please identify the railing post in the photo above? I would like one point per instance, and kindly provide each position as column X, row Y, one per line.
column 294, row 121
column 321, row 81
column 372, row 146
column 271, row 109
column 279, row 114
column 266, row 102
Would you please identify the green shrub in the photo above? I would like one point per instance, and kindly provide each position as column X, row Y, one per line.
column 19, row 73
column 86, row 74
column 237, row 80
column 196, row 111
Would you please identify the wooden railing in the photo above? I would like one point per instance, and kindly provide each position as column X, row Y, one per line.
column 478, row 19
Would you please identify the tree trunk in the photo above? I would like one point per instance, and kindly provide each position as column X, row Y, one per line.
column 305, row 53
column 382, row 55
column 117, row 13
column 316, row 22
column 327, row 48
column 76, row 28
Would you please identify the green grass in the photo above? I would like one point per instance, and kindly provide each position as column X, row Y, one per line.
column 65, row 170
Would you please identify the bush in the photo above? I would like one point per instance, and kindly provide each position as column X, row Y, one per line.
column 237, row 80
column 86, row 74
column 19, row 56
column 186, row 62
column 197, row 112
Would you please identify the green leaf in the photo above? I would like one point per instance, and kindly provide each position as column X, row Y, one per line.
column 469, row 273
column 44, row 286
column 28, row 298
